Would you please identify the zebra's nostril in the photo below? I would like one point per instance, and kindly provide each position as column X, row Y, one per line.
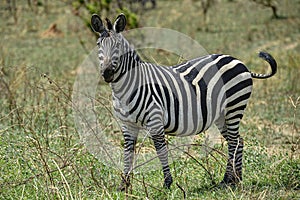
column 108, row 74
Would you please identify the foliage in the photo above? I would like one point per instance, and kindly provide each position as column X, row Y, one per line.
column 107, row 8
column 132, row 19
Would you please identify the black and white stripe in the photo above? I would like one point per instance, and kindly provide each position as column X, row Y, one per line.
column 180, row 100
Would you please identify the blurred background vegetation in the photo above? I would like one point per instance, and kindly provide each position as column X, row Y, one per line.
column 43, row 43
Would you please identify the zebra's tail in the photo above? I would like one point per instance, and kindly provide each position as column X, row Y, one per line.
column 267, row 57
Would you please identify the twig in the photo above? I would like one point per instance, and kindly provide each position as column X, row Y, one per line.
column 183, row 191
column 209, row 174
column 153, row 187
column 147, row 196
column 32, row 177
column 67, row 188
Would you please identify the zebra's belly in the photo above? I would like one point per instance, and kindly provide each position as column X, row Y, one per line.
column 195, row 115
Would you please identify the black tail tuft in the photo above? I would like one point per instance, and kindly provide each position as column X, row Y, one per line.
column 267, row 57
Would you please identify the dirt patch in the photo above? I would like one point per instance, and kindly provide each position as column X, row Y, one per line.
column 52, row 32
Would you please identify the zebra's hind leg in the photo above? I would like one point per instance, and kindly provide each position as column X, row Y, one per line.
column 233, row 174
column 162, row 153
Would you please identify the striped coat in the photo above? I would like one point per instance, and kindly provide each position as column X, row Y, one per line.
column 180, row 100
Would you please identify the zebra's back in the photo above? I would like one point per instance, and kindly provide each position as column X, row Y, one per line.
column 205, row 90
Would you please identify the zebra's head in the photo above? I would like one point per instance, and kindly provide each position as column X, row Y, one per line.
column 109, row 44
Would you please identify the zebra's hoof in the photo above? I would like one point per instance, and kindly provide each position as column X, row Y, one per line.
column 228, row 183
column 123, row 186
column 231, row 179
column 168, row 182
column 167, row 186
column 224, row 184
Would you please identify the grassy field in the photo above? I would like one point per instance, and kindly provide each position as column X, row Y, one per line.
column 42, row 155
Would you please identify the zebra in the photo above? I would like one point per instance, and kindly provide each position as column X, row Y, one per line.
column 181, row 100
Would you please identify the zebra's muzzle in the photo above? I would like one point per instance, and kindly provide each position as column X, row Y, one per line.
column 108, row 74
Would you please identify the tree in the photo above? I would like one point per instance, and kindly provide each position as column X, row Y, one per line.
column 270, row 4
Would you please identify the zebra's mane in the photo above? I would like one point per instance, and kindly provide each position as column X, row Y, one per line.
column 128, row 49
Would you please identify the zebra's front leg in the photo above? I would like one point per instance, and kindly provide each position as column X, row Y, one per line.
column 130, row 137
column 162, row 152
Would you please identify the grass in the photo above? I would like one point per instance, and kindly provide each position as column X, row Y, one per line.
column 42, row 154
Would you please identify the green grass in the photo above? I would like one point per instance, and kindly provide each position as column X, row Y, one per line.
column 42, row 155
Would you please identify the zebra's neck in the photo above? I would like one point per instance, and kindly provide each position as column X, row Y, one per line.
column 129, row 60
column 128, row 51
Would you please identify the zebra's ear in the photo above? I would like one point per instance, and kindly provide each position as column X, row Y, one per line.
column 120, row 23
column 97, row 24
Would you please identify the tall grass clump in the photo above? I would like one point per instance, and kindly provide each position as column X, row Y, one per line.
column 42, row 155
